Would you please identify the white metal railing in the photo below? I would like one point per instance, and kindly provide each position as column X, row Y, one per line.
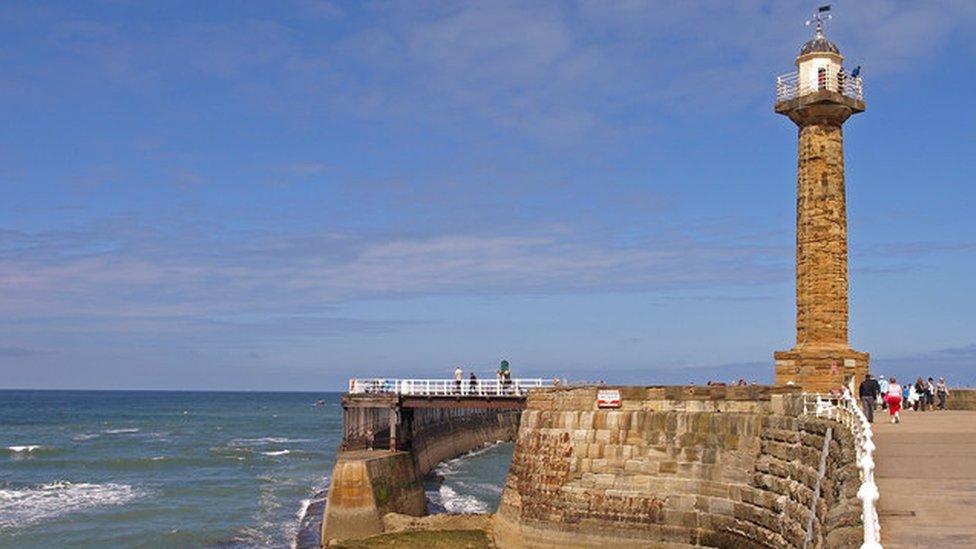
column 789, row 86
column 447, row 387
column 845, row 410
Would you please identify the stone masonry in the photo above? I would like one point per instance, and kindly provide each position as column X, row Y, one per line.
column 677, row 467
column 368, row 484
column 821, row 359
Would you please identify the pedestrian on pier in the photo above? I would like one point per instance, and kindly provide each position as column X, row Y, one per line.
column 920, row 399
column 458, row 375
column 473, row 384
column 869, row 391
column 505, row 375
column 943, row 392
column 930, row 394
column 894, row 398
column 883, row 384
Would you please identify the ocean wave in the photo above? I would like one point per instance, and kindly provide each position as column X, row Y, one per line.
column 454, row 502
column 27, row 448
column 232, row 452
column 26, row 506
column 284, row 452
column 306, row 532
column 261, row 441
column 482, row 487
column 121, row 431
column 153, row 463
column 450, row 467
column 85, row 436
column 29, row 451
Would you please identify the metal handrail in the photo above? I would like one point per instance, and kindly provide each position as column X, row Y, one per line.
column 845, row 410
column 788, row 85
column 447, row 387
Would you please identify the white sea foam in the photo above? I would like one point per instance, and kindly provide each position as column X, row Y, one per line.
column 25, row 449
column 266, row 440
column 85, row 436
column 481, row 487
column 305, row 521
column 450, row 467
column 295, row 529
column 120, row 431
column 454, row 502
column 26, row 506
column 277, row 453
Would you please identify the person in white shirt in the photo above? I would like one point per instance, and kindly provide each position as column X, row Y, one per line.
column 458, row 376
column 893, row 398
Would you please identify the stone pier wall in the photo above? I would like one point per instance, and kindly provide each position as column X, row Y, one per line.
column 369, row 484
column 676, row 467
column 365, row 486
column 961, row 399
column 442, row 434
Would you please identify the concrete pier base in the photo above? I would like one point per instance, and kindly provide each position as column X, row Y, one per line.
column 368, row 484
column 365, row 486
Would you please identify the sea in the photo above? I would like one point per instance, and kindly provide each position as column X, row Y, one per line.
column 189, row 469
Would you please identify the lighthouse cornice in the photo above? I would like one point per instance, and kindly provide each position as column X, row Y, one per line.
column 820, row 107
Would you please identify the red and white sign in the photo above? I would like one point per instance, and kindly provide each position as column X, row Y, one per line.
column 608, row 398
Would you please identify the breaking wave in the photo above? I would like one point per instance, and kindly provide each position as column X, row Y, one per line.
column 26, row 506
column 453, row 502
column 26, row 451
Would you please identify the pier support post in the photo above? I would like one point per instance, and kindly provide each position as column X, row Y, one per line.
column 394, row 420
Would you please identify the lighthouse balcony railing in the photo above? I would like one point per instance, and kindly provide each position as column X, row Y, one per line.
column 790, row 86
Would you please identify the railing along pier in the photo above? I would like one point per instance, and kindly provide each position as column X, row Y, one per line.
column 511, row 388
column 845, row 410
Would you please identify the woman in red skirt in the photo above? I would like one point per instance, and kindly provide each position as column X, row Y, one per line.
column 893, row 398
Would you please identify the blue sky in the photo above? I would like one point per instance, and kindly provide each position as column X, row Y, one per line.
column 282, row 195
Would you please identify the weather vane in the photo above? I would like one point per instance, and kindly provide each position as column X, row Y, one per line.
column 822, row 14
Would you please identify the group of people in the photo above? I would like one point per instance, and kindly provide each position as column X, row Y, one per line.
column 890, row 395
column 503, row 376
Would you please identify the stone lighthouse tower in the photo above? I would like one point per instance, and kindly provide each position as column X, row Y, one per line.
column 819, row 97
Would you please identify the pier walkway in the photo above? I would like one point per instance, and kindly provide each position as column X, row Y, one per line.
column 926, row 472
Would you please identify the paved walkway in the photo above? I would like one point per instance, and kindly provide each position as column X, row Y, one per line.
column 926, row 471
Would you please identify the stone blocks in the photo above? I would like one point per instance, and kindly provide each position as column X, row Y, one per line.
column 660, row 475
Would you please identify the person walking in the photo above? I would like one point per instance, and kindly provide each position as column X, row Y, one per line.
column 458, row 375
column 942, row 390
column 883, row 384
column 919, row 394
column 869, row 390
column 930, row 394
column 894, row 398
column 505, row 372
column 472, row 384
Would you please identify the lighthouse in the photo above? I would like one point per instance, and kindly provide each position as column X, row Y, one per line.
column 819, row 97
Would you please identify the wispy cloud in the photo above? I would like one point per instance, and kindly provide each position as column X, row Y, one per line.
column 173, row 270
column 17, row 352
column 956, row 364
column 552, row 70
